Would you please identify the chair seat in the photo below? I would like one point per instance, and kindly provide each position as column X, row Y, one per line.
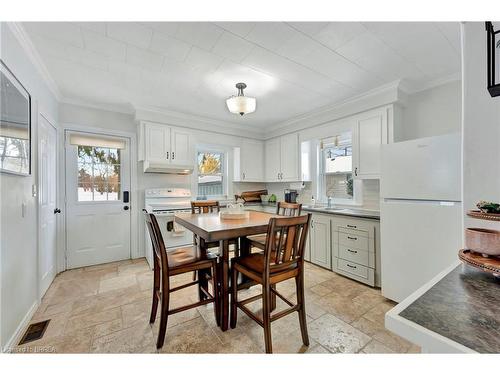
column 255, row 263
column 186, row 255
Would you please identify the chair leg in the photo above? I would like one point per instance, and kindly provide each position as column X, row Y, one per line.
column 202, row 282
column 237, row 248
column 156, row 287
column 273, row 298
column 165, row 297
column 299, row 282
column 234, row 297
column 266, row 315
column 215, row 284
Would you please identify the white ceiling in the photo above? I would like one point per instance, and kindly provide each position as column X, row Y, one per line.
column 192, row 67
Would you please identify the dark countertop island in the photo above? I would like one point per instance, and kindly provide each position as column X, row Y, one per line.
column 460, row 307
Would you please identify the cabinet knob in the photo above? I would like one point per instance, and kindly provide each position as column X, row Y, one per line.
column 173, row 155
column 356, row 171
column 167, row 154
column 243, row 175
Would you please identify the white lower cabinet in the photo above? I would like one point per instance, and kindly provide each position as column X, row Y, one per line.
column 356, row 248
column 347, row 245
column 321, row 240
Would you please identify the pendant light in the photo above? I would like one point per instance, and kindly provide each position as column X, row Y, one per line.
column 241, row 104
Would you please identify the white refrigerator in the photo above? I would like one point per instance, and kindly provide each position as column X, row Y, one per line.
column 420, row 211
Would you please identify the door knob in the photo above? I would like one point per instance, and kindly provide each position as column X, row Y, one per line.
column 57, row 211
column 125, row 208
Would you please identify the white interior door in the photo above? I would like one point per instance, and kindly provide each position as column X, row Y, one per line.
column 47, row 183
column 97, row 199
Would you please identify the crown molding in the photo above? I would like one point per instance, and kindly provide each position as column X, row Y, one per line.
column 155, row 114
column 127, row 109
column 413, row 89
column 33, row 55
column 382, row 95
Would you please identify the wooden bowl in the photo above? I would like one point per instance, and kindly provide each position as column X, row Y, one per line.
column 484, row 241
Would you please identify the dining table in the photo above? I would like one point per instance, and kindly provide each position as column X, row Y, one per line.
column 212, row 227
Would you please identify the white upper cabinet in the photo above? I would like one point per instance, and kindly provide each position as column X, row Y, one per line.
column 289, row 156
column 249, row 161
column 156, row 142
column 165, row 144
column 273, row 156
column 282, row 159
column 181, row 147
column 371, row 130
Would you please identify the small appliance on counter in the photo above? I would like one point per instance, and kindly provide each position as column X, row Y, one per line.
column 291, row 196
column 250, row 196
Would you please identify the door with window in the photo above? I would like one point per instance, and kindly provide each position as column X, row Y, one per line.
column 97, row 199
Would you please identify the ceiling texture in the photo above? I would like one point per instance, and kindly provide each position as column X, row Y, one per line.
column 192, row 67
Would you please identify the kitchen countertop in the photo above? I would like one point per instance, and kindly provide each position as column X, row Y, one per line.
column 458, row 311
column 336, row 210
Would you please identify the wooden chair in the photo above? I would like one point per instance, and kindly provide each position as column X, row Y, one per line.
column 176, row 262
column 284, row 209
column 204, row 207
column 281, row 260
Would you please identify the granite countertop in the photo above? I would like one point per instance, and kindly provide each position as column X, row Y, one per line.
column 336, row 210
column 464, row 306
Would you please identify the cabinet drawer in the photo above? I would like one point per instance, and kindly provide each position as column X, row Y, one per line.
column 353, row 268
column 355, row 241
column 364, row 228
column 354, row 255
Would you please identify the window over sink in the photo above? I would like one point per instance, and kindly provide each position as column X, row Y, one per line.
column 336, row 169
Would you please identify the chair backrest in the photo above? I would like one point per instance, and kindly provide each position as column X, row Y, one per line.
column 204, row 207
column 159, row 250
column 288, row 209
column 286, row 240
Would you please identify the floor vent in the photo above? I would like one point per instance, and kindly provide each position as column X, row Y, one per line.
column 34, row 332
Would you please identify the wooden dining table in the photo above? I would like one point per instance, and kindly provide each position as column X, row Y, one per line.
column 212, row 228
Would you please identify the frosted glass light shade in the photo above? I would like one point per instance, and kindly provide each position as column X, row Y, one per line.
column 241, row 104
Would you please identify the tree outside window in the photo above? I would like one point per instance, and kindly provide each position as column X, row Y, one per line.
column 210, row 174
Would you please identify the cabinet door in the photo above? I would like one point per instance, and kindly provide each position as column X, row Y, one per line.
column 272, row 154
column 321, row 241
column 180, row 146
column 252, row 161
column 289, row 156
column 157, row 143
column 371, row 134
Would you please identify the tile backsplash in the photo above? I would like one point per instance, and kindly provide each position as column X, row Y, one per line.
column 371, row 194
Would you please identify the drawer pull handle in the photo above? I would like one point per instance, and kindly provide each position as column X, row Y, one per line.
column 352, row 251
column 351, row 226
column 348, row 265
column 352, row 238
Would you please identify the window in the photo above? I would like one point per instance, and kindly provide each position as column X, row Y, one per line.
column 336, row 168
column 211, row 177
column 98, row 174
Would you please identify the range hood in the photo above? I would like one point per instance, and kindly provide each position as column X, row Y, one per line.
column 167, row 168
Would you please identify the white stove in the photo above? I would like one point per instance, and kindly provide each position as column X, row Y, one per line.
column 165, row 203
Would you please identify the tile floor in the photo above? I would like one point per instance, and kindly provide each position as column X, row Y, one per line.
column 105, row 309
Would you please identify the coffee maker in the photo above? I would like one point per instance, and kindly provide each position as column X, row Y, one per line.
column 291, row 196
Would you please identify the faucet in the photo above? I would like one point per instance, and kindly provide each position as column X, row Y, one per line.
column 329, row 202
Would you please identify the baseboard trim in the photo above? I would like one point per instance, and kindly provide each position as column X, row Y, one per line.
column 20, row 329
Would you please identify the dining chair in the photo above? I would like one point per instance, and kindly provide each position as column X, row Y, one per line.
column 205, row 207
column 282, row 259
column 176, row 262
column 283, row 209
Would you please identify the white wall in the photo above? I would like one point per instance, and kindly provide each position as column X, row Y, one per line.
column 432, row 112
column 481, row 126
column 18, row 239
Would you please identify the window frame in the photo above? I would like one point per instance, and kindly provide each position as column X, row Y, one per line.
column 357, row 192
column 224, row 171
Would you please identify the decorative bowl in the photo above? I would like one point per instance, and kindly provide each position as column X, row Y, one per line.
column 483, row 241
